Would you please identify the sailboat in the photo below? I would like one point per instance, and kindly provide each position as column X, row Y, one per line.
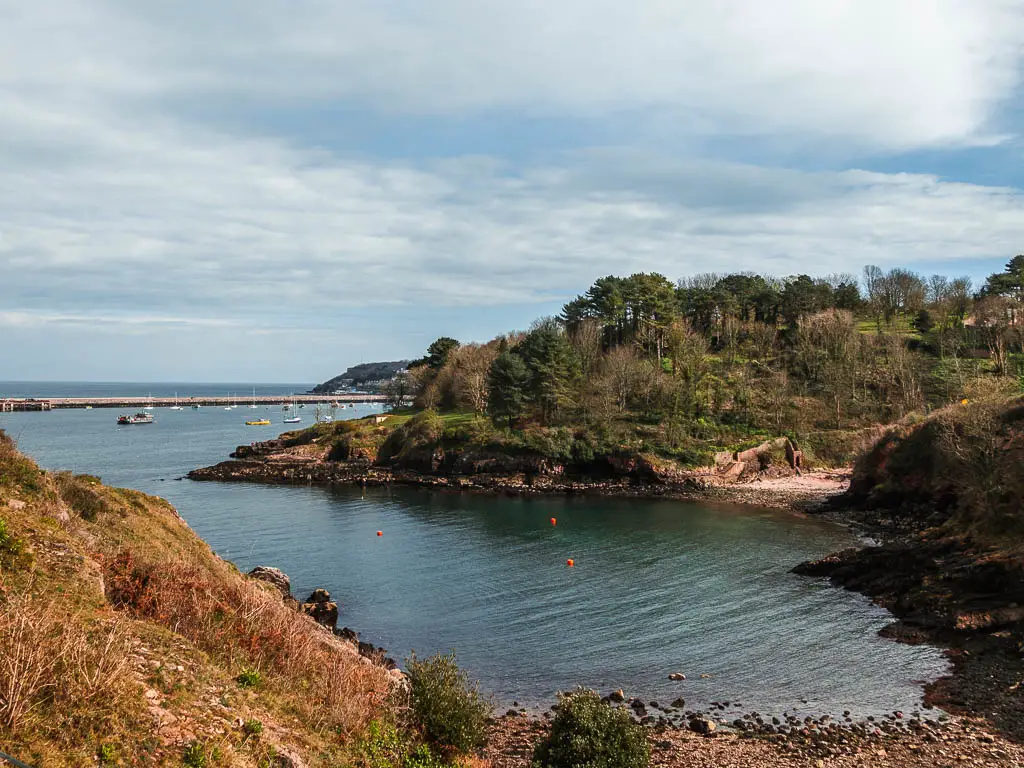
column 290, row 419
column 176, row 407
column 253, row 398
column 148, row 407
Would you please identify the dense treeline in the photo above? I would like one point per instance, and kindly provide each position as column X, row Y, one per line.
column 714, row 360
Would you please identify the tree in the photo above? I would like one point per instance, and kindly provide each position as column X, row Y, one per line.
column 621, row 373
column 923, row 322
column 1009, row 282
column 470, row 368
column 804, row 296
column 438, row 351
column 399, row 389
column 507, row 383
column 552, row 365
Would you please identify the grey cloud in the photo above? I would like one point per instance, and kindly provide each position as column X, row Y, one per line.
column 882, row 72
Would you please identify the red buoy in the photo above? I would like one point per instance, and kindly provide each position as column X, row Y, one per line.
column 554, row 521
column 570, row 562
column 380, row 533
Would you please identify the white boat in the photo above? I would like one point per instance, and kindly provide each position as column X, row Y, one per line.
column 253, row 398
column 176, row 407
column 139, row 418
column 290, row 419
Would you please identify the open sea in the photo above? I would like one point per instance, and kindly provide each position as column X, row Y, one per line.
column 658, row 586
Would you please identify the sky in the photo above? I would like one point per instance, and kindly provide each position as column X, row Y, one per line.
column 248, row 190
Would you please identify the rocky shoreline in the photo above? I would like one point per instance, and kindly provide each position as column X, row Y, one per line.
column 324, row 611
column 959, row 742
column 779, row 489
column 941, row 591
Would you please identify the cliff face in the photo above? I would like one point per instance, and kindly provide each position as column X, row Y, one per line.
column 124, row 636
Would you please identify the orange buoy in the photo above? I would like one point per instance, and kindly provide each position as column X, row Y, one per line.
column 570, row 562
column 554, row 521
column 380, row 533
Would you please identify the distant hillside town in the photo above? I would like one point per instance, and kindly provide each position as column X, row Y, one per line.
column 365, row 377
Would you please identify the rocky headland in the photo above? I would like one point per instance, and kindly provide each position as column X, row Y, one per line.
column 768, row 474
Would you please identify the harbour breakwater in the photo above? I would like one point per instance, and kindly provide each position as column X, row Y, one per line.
column 52, row 403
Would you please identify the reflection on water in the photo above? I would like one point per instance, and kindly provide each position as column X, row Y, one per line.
column 658, row 586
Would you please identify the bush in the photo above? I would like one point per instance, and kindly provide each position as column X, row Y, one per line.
column 252, row 727
column 106, row 754
column 384, row 746
column 446, row 707
column 587, row 733
column 248, row 678
column 198, row 756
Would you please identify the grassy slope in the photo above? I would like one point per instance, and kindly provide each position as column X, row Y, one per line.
column 122, row 636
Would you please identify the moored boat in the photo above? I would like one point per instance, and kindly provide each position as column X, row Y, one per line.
column 136, row 418
column 258, row 423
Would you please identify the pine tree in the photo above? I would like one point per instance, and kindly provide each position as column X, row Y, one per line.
column 507, row 383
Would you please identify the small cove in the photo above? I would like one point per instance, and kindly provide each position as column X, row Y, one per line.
column 659, row 586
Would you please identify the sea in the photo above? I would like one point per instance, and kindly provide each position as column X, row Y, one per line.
column 658, row 586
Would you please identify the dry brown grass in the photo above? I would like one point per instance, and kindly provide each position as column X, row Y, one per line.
column 246, row 626
column 58, row 673
column 77, row 677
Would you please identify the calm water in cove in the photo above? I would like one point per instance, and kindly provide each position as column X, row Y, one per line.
column 658, row 586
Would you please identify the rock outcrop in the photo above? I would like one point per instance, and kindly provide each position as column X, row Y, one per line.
column 323, row 610
column 274, row 576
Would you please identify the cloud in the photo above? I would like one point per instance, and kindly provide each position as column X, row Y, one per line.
column 892, row 74
column 121, row 323
column 125, row 193
column 192, row 225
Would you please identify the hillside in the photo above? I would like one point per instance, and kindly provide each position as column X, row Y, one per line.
column 359, row 375
column 945, row 496
column 124, row 640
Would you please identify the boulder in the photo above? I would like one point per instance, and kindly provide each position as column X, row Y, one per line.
column 677, row 676
column 274, row 576
column 702, row 725
column 323, row 610
column 617, row 696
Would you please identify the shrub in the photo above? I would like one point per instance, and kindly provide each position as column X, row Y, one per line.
column 445, row 705
column 106, row 754
column 252, row 727
column 384, row 746
column 587, row 733
column 424, row 757
column 424, row 429
column 197, row 755
column 248, row 678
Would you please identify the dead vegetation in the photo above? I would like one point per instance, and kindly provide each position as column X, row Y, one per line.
column 123, row 638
